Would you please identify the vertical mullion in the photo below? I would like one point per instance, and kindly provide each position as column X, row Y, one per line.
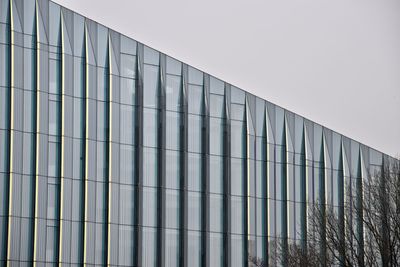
column 35, row 127
column 206, row 177
column 161, row 160
column 8, row 151
column 226, row 179
column 139, row 157
column 85, row 107
column 246, row 183
column 183, row 246
column 108, row 163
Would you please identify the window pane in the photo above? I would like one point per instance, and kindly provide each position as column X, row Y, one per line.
column 216, row 213
column 194, row 133
column 128, row 91
column 195, row 99
column 173, row 92
column 194, row 211
column 150, row 207
column 150, row 127
column 150, row 84
column 128, row 66
column 172, row 208
column 173, row 125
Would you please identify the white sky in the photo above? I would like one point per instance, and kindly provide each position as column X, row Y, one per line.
column 334, row 62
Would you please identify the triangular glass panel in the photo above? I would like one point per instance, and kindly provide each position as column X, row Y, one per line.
column 102, row 45
column 29, row 17
column 271, row 116
column 68, row 36
column 279, row 126
column 290, row 124
column 114, row 69
column 327, row 155
column 66, row 45
column 43, row 8
column 270, row 129
column 89, row 49
column 309, row 138
column 289, row 140
column 4, row 11
column 317, row 142
column 299, row 130
column 345, row 153
column 250, row 125
column 41, row 30
column 16, row 21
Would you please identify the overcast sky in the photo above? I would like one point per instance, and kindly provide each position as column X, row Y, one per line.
column 334, row 62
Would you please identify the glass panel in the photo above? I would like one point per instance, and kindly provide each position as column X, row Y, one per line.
column 237, row 177
column 126, row 204
column 237, row 250
column 195, row 99
column 128, row 66
column 127, row 124
column 173, row 92
column 194, row 249
column 172, row 245
column 151, row 56
column 194, row 211
column 217, row 106
column 126, row 245
column 216, row 174
column 172, row 209
column 237, row 212
column 151, row 86
column 194, row 172
column 216, row 136
column 150, row 207
column 173, row 66
column 126, row 164
column 216, row 213
column 216, row 86
column 195, row 76
column 150, row 127
column 172, row 171
column 216, row 248
column 150, row 167
column 128, row 91
column 194, row 133
column 173, row 130
column 149, row 249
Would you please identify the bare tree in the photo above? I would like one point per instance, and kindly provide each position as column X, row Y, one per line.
column 364, row 230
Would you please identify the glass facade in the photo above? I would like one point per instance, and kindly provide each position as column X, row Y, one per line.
column 112, row 153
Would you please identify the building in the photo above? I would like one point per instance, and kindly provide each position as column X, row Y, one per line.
column 114, row 153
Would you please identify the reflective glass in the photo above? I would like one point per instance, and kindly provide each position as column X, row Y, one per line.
column 172, row 172
column 128, row 91
column 216, row 249
column 128, row 66
column 150, row 167
column 151, row 86
column 172, row 209
column 194, row 211
column 150, row 206
column 150, row 127
column 216, row 213
column 173, row 92
column 194, row 172
column 172, row 248
column 194, row 248
column 195, row 99
column 194, row 129
column 173, row 130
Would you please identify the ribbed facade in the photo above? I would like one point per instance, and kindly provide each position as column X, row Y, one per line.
column 114, row 153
